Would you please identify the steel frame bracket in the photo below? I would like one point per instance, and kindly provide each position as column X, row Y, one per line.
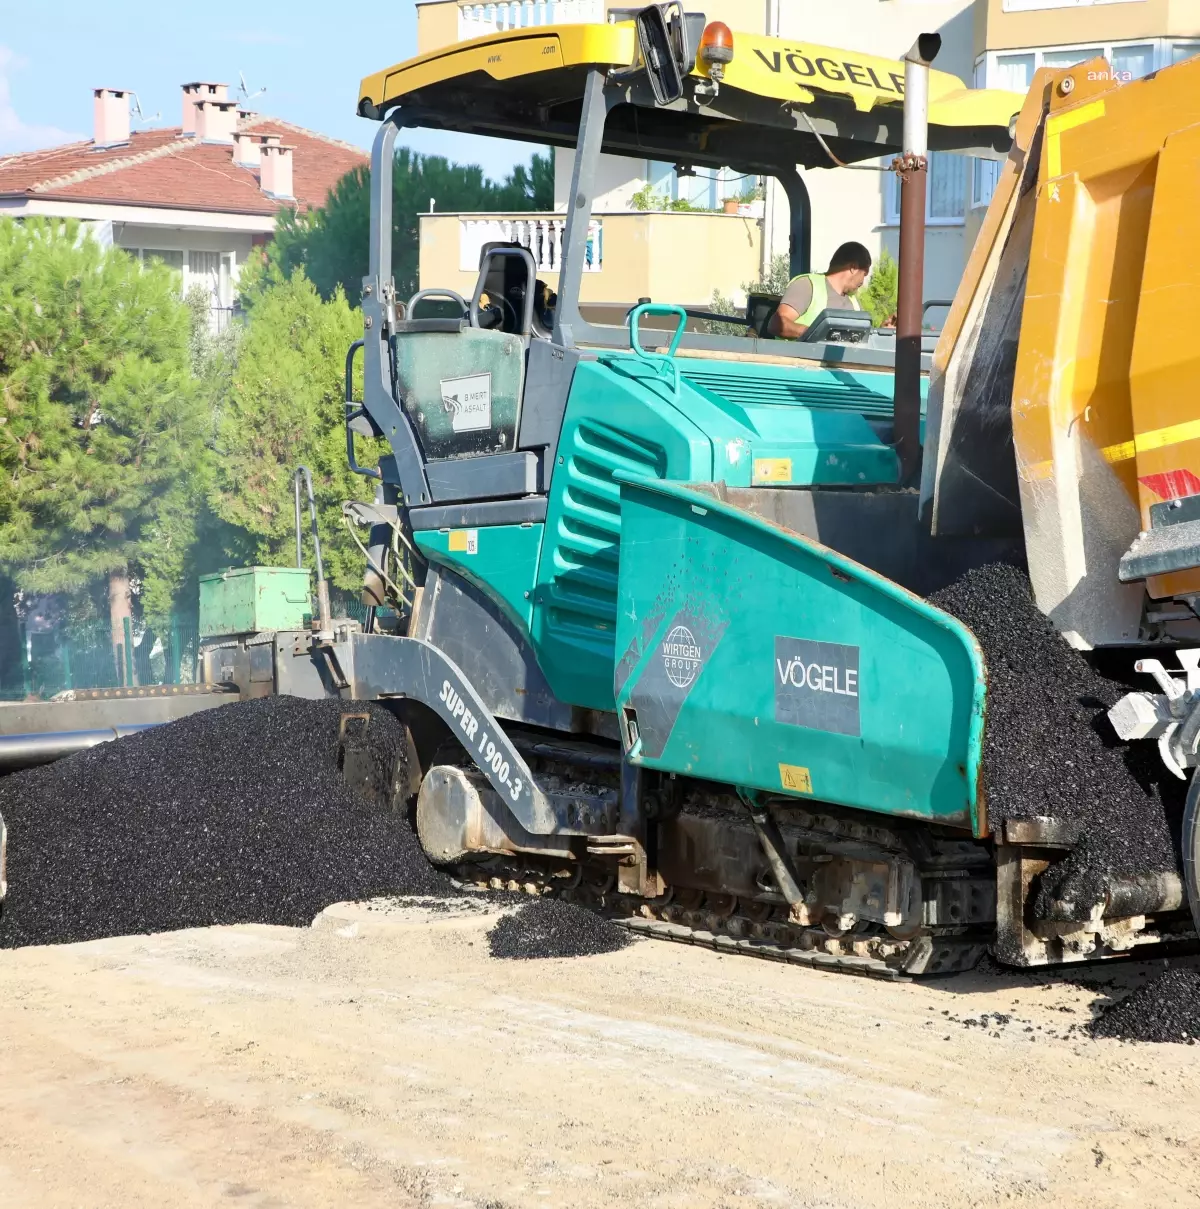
column 381, row 666
column 636, row 873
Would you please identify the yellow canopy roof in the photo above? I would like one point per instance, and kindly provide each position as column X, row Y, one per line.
column 528, row 84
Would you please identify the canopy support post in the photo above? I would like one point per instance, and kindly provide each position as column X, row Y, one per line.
column 407, row 469
column 379, row 261
column 596, row 104
column 800, row 246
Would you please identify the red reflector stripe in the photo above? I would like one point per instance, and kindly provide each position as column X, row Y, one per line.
column 1172, row 484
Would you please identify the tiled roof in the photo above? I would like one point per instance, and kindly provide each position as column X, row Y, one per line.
column 162, row 168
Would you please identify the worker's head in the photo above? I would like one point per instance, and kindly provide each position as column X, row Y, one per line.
column 850, row 264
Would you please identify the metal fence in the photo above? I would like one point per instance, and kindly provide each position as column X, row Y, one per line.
column 86, row 656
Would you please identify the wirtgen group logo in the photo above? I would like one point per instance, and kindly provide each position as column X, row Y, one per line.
column 681, row 656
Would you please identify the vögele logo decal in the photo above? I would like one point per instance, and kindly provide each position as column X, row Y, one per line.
column 817, row 685
column 681, row 656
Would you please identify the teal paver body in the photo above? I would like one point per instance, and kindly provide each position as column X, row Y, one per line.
column 731, row 649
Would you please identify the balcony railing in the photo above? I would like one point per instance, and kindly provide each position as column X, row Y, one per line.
column 476, row 20
column 632, row 254
column 219, row 318
column 542, row 234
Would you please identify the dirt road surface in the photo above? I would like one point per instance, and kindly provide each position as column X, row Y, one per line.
column 383, row 1058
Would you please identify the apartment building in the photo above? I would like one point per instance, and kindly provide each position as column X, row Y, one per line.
column 199, row 196
column 1013, row 38
column 650, row 252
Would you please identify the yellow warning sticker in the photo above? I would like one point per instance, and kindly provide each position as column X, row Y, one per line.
column 464, row 541
column 792, row 776
column 772, row 470
column 1061, row 122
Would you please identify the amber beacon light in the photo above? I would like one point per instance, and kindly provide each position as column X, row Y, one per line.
column 716, row 49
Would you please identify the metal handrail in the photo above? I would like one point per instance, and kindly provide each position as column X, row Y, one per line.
column 325, row 614
column 355, row 411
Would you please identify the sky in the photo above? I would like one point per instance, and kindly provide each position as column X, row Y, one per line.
column 309, row 55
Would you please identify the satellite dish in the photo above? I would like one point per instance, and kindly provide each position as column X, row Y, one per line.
column 139, row 117
column 244, row 93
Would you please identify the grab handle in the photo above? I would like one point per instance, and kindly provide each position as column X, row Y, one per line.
column 354, row 412
column 658, row 360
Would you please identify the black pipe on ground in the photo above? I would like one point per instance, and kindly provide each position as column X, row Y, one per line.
column 27, row 751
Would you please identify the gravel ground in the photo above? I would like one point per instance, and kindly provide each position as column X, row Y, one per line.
column 233, row 815
column 385, row 1059
column 547, row 927
column 1166, row 1008
column 1048, row 746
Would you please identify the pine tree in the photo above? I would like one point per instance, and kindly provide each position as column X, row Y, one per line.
column 101, row 430
column 284, row 408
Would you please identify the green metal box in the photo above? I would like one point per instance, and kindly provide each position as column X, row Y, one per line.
column 248, row 600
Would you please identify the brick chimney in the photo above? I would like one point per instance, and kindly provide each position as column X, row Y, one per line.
column 246, row 145
column 275, row 171
column 110, row 107
column 216, row 121
column 198, row 91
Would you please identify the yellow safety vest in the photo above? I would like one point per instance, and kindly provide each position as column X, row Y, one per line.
column 820, row 297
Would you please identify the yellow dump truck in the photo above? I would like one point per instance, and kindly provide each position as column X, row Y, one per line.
column 1064, row 407
column 1064, row 411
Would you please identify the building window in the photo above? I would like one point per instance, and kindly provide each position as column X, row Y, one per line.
column 704, row 190
column 661, row 178
column 947, row 187
column 216, row 272
column 204, row 270
column 1014, row 72
column 1133, row 62
column 173, row 260
column 945, row 190
column 1058, row 59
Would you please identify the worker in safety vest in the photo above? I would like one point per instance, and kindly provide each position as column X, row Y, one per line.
column 811, row 293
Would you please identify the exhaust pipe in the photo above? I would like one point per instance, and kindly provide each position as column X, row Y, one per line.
column 912, row 166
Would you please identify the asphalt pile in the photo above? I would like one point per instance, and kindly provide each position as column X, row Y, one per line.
column 549, row 927
column 239, row 814
column 1049, row 749
column 1167, row 1008
column 233, row 815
